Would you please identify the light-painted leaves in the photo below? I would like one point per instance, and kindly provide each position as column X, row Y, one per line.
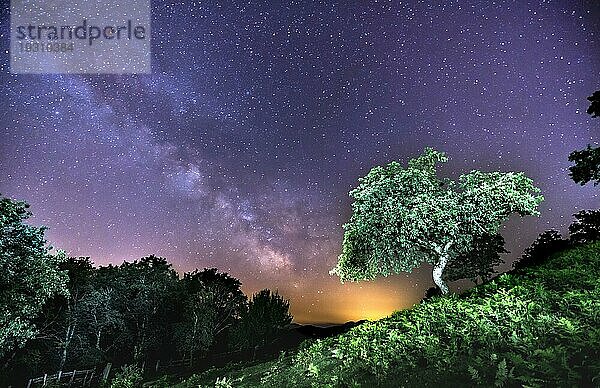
column 403, row 217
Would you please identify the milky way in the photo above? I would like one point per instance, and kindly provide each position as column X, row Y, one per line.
column 239, row 150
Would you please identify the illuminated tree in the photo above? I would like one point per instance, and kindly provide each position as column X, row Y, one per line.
column 29, row 276
column 403, row 217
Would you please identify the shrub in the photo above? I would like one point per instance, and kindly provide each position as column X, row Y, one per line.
column 130, row 376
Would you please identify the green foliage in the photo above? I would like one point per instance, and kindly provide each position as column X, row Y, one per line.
column 73, row 315
column 29, row 276
column 63, row 317
column 103, row 319
column 224, row 382
column 142, row 312
column 402, row 217
column 260, row 324
column 130, row 376
column 586, row 227
column 146, row 288
column 540, row 327
column 246, row 374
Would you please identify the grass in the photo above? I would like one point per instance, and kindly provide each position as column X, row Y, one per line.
column 536, row 327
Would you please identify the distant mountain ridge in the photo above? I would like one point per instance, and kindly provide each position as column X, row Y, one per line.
column 323, row 330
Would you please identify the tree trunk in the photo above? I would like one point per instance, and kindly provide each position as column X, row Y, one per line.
column 438, row 269
column 65, row 350
column 9, row 356
column 98, row 338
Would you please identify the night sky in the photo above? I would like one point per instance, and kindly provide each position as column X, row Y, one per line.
column 238, row 152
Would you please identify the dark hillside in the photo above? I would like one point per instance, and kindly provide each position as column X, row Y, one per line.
column 534, row 327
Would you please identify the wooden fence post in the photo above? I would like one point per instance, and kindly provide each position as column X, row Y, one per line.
column 29, row 384
column 106, row 372
column 157, row 365
column 45, row 378
column 72, row 377
column 91, row 378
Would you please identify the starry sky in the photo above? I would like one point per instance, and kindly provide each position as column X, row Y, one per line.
column 239, row 150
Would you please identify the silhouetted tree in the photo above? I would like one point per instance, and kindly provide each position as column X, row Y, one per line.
column 587, row 161
column 405, row 216
column 594, row 108
column 587, row 165
column 260, row 324
column 547, row 243
column 212, row 301
column 148, row 293
column 586, row 227
column 479, row 261
column 29, row 276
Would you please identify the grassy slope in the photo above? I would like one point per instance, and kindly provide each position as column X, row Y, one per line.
column 538, row 327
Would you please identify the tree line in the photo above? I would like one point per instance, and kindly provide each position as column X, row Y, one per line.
column 63, row 313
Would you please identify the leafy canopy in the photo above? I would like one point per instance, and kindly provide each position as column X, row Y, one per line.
column 212, row 302
column 404, row 216
column 145, row 286
column 586, row 227
column 587, row 165
column 29, row 275
column 587, row 161
column 267, row 313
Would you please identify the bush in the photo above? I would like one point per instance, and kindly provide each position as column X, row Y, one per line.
column 130, row 376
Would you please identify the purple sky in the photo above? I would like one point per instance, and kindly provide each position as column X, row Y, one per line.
column 239, row 150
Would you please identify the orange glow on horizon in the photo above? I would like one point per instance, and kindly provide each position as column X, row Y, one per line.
column 354, row 302
column 327, row 301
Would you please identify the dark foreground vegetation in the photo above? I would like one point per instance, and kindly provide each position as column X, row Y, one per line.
column 65, row 314
column 535, row 326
